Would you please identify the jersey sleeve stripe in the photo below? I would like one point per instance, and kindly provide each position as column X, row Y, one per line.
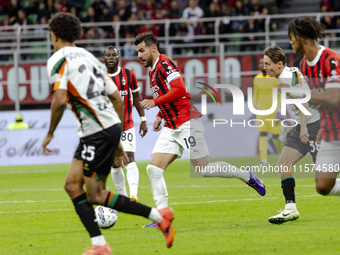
column 299, row 78
column 81, row 105
column 61, row 69
column 55, row 86
column 59, row 65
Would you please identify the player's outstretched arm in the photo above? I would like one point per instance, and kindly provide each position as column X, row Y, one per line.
column 118, row 105
column 58, row 106
column 178, row 90
column 143, row 128
column 331, row 97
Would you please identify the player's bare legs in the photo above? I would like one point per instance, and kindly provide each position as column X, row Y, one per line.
column 74, row 187
column 326, row 182
column 97, row 194
column 200, row 162
column 288, row 158
column 74, row 179
column 225, row 170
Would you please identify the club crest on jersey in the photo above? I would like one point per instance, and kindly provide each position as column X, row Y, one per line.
column 124, row 92
column 154, row 88
column 123, row 81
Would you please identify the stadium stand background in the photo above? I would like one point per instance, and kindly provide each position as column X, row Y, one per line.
column 212, row 41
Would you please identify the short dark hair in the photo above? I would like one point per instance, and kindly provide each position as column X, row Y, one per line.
column 66, row 27
column 276, row 54
column 148, row 38
column 111, row 47
column 306, row 27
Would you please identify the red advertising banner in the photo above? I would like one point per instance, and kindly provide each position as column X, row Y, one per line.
column 35, row 89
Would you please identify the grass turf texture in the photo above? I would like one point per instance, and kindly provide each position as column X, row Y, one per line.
column 212, row 216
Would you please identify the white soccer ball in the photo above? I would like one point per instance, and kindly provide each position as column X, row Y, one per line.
column 105, row 217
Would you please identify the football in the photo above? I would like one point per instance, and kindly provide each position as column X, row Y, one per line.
column 105, row 217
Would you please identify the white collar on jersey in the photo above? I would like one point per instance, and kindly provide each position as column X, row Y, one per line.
column 114, row 74
column 317, row 57
column 283, row 72
column 154, row 65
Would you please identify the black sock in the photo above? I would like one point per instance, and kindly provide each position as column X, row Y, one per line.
column 288, row 186
column 86, row 214
column 123, row 204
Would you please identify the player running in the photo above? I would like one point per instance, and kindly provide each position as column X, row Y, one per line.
column 79, row 79
column 262, row 100
column 299, row 140
column 183, row 129
column 321, row 66
column 126, row 82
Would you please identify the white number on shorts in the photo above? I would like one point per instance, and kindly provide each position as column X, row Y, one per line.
column 90, row 151
column 190, row 141
column 314, row 146
column 129, row 136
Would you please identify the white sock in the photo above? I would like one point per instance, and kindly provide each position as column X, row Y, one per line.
column 224, row 170
column 132, row 175
column 118, row 178
column 336, row 188
column 154, row 215
column 291, row 207
column 98, row 240
column 158, row 186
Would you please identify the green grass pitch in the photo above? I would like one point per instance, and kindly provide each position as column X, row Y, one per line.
column 212, row 216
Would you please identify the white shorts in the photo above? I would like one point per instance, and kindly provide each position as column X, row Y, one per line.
column 328, row 157
column 128, row 140
column 189, row 137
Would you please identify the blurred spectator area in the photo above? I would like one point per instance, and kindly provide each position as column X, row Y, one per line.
column 195, row 27
column 39, row 11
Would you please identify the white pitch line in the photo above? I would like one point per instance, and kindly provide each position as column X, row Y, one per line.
column 52, row 210
column 34, row 171
column 33, row 201
column 29, row 190
column 148, row 187
column 234, row 200
column 174, row 203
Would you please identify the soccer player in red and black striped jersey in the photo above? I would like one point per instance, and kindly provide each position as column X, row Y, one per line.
column 183, row 129
column 321, row 66
column 126, row 83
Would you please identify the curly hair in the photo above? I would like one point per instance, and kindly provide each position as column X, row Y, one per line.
column 306, row 27
column 66, row 27
column 276, row 54
column 148, row 38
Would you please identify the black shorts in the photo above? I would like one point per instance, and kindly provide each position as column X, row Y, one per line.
column 97, row 151
column 293, row 140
